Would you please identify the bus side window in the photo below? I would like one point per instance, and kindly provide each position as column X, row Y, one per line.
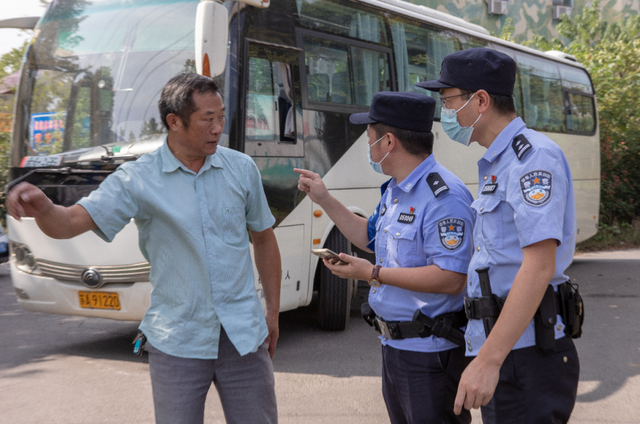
column 541, row 91
column 580, row 109
column 419, row 51
column 343, row 73
column 271, row 107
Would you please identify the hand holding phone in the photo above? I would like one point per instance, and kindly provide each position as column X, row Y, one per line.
column 331, row 256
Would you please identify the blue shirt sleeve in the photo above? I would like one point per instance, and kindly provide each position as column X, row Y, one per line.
column 448, row 231
column 537, row 192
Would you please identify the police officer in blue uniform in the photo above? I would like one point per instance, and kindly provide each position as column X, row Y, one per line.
column 421, row 234
column 525, row 234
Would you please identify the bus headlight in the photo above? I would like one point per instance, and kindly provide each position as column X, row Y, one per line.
column 23, row 258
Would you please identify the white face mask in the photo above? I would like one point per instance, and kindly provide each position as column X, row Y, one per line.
column 450, row 125
column 377, row 166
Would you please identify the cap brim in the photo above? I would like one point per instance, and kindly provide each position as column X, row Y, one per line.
column 361, row 118
column 434, row 85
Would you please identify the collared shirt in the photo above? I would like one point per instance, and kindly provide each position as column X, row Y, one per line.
column 520, row 202
column 414, row 228
column 193, row 230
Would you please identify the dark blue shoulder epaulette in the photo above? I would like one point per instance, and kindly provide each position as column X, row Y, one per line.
column 437, row 184
column 521, row 146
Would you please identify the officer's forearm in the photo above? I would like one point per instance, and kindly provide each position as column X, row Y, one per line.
column 425, row 279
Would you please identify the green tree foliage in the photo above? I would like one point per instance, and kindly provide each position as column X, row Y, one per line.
column 611, row 53
column 10, row 62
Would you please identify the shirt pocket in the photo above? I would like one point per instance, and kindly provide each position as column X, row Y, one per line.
column 489, row 224
column 234, row 224
column 406, row 245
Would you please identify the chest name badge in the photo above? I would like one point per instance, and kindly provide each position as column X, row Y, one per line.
column 536, row 187
column 406, row 218
column 451, row 232
column 489, row 188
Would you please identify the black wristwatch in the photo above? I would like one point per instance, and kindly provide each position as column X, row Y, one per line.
column 375, row 279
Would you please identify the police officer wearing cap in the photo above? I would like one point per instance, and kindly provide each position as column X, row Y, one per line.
column 525, row 233
column 421, row 234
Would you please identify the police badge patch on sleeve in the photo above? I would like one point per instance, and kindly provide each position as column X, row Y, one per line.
column 451, row 232
column 536, row 187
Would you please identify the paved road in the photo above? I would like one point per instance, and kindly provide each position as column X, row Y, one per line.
column 69, row 370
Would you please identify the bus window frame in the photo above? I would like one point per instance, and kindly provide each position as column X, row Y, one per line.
column 340, row 107
column 567, row 104
column 284, row 148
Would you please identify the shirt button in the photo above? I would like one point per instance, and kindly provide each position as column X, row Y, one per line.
column 395, row 200
column 385, row 230
column 373, row 290
column 470, row 349
column 380, row 260
column 481, row 208
column 559, row 327
column 397, row 234
column 484, row 178
column 478, row 248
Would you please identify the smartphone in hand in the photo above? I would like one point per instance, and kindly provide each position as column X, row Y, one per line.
column 329, row 255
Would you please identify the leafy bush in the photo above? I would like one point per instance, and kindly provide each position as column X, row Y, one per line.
column 611, row 53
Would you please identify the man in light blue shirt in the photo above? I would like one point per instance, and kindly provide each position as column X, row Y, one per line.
column 421, row 234
column 192, row 202
column 525, row 234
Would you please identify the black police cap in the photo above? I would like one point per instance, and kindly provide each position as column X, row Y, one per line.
column 476, row 69
column 409, row 111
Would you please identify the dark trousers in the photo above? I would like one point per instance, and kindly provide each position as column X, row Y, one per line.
column 535, row 388
column 420, row 388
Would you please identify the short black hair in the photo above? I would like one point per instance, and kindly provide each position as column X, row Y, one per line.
column 504, row 105
column 414, row 142
column 177, row 96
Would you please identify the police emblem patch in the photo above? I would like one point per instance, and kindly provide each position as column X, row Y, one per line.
column 536, row 187
column 451, row 232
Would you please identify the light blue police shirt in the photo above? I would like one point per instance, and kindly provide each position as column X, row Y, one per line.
column 415, row 228
column 193, row 230
column 532, row 201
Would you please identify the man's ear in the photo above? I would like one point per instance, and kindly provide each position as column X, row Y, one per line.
column 484, row 99
column 173, row 121
column 392, row 142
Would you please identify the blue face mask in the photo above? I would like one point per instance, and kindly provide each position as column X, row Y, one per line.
column 450, row 125
column 377, row 166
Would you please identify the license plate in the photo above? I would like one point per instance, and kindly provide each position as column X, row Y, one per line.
column 99, row 300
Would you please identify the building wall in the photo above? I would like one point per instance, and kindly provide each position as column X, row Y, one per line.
column 529, row 16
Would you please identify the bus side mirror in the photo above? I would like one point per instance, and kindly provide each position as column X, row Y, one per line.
column 212, row 29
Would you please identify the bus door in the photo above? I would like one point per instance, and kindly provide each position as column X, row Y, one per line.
column 272, row 137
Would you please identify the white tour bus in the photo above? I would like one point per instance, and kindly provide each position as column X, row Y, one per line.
column 292, row 72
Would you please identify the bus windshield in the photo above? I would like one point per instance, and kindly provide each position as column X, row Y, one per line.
column 97, row 70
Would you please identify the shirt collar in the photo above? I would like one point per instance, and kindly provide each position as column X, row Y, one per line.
column 504, row 139
column 416, row 175
column 170, row 163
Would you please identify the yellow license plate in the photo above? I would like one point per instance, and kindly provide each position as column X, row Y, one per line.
column 99, row 300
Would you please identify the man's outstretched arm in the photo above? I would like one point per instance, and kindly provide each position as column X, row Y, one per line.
column 55, row 221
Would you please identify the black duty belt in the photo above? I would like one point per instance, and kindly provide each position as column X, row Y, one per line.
column 397, row 330
column 490, row 307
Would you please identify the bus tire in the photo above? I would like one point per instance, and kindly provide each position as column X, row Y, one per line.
column 335, row 293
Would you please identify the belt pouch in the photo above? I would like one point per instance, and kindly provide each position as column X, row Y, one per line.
column 572, row 309
column 545, row 319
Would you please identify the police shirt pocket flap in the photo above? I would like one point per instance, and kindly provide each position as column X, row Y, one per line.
column 408, row 233
column 485, row 205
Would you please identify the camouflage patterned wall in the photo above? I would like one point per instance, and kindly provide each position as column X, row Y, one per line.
column 529, row 16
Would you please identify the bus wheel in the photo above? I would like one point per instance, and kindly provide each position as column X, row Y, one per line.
column 335, row 293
